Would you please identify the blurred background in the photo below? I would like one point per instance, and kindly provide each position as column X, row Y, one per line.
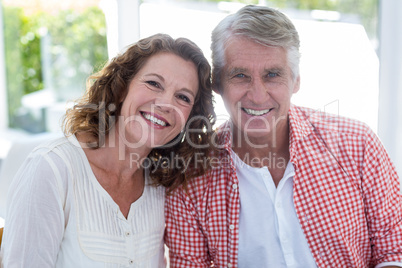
column 351, row 58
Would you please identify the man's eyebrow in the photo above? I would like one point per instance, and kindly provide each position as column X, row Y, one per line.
column 236, row 70
column 275, row 70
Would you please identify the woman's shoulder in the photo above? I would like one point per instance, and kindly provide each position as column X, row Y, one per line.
column 42, row 171
column 60, row 147
column 58, row 157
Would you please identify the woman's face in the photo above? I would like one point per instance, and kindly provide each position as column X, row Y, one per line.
column 159, row 100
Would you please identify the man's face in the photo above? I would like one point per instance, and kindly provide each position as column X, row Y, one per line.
column 257, row 87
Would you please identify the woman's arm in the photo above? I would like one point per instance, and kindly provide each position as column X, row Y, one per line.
column 34, row 223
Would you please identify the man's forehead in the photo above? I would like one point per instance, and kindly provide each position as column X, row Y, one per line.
column 245, row 58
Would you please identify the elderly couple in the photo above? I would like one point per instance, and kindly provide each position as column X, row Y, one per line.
column 279, row 185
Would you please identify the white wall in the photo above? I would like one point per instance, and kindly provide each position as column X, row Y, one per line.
column 122, row 20
column 339, row 70
column 390, row 101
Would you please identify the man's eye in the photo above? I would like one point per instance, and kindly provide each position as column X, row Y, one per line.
column 153, row 83
column 272, row 74
column 239, row 76
column 184, row 98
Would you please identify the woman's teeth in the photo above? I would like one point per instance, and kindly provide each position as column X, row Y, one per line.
column 255, row 112
column 154, row 120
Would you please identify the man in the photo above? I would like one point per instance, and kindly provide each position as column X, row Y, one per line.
column 290, row 187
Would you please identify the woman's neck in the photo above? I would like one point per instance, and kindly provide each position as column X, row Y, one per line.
column 114, row 155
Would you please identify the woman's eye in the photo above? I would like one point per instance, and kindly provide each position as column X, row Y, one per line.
column 153, row 83
column 184, row 98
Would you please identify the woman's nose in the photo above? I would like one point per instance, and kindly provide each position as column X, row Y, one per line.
column 165, row 102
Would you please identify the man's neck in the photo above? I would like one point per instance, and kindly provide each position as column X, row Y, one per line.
column 265, row 152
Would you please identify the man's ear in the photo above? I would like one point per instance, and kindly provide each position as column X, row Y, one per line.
column 297, row 85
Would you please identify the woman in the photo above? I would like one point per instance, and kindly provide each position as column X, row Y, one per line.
column 93, row 198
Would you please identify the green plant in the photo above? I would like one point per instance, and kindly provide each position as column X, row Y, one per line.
column 51, row 51
column 14, row 76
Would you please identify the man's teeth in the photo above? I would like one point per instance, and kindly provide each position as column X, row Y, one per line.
column 154, row 120
column 256, row 112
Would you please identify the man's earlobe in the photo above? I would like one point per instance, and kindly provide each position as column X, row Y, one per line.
column 216, row 90
column 297, row 85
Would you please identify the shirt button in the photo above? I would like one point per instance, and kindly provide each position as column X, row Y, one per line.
column 127, row 233
column 234, row 186
column 231, row 227
column 130, row 261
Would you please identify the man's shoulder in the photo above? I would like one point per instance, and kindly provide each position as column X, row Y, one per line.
column 328, row 122
column 214, row 178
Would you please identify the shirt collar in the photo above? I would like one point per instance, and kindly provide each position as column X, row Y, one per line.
column 224, row 135
column 299, row 123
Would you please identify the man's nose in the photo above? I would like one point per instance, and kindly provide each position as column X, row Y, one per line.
column 258, row 91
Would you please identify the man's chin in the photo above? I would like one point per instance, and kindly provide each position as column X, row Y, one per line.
column 258, row 134
column 262, row 134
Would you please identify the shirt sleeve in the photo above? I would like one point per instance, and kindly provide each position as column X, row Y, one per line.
column 186, row 242
column 382, row 194
column 34, row 224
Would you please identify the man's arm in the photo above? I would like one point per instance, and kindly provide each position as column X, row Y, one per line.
column 381, row 188
column 186, row 242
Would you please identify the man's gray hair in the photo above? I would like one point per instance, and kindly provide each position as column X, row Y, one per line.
column 263, row 25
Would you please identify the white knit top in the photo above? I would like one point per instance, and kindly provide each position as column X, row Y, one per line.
column 60, row 216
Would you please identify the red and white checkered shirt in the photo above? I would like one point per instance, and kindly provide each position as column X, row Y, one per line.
column 346, row 194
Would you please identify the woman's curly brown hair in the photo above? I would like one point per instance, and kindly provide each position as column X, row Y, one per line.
column 96, row 111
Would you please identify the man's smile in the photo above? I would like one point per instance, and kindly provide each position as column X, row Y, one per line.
column 256, row 112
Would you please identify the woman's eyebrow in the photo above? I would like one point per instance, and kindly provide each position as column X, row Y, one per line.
column 155, row 74
column 189, row 91
column 163, row 79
